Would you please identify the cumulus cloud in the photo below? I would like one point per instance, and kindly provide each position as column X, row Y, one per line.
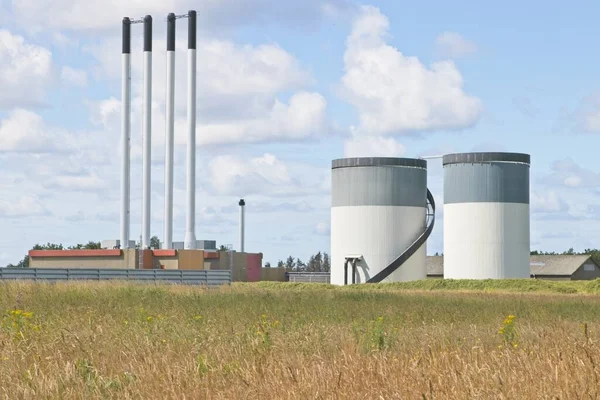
column 232, row 175
column 568, row 173
column 322, row 228
column 26, row 132
column 371, row 146
column 73, row 76
column 395, row 93
column 266, row 176
column 548, row 202
column 454, row 45
column 586, row 117
column 237, row 95
column 25, row 206
column 25, row 71
column 303, row 117
column 223, row 14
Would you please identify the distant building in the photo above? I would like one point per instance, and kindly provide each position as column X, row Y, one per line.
column 552, row 267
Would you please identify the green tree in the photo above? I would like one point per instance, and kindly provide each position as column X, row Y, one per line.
column 289, row 263
column 326, row 263
column 89, row 246
column 155, row 242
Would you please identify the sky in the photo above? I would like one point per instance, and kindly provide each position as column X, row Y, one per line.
column 283, row 89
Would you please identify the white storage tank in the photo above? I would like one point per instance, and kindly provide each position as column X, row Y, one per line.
column 379, row 220
column 486, row 215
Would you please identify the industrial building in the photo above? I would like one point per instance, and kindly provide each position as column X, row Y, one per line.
column 551, row 267
column 381, row 216
column 486, row 215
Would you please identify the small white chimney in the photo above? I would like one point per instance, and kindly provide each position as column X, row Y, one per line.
column 242, row 205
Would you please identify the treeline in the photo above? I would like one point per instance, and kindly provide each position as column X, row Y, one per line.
column 595, row 253
column 319, row 262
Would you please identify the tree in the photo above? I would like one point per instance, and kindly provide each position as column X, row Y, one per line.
column 280, row 264
column 223, row 248
column 289, row 263
column 326, row 263
column 300, row 266
column 89, row 246
column 24, row 263
column 155, row 242
column 267, row 265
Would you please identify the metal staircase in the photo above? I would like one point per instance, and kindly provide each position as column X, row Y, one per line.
column 422, row 238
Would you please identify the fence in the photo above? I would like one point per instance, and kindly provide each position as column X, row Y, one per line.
column 317, row 277
column 186, row 277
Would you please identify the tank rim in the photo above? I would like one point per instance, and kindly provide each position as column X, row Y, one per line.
column 486, row 157
column 378, row 162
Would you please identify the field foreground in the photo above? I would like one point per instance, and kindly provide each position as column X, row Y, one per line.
column 280, row 341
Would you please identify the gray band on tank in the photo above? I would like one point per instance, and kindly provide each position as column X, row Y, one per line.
column 378, row 161
column 497, row 182
column 468, row 158
column 384, row 185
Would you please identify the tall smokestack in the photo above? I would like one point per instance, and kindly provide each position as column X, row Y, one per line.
column 190, row 230
column 242, row 204
column 147, row 131
column 168, row 234
column 125, row 130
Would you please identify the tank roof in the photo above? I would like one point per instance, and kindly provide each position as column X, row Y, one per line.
column 378, row 162
column 468, row 158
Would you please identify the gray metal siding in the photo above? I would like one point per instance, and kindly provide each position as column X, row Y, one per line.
column 187, row 277
column 379, row 186
column 468, row 158
column 496, row 182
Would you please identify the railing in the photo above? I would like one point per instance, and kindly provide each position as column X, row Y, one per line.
column 186, row 277
column 317, row 277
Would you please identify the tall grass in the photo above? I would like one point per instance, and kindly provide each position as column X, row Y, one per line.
column 119, row 340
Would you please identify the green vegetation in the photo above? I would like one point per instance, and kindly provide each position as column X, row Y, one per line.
column 485, row 285
column 278, row 340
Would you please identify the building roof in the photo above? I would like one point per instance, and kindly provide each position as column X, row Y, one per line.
column 553, row 265
column 557, row 264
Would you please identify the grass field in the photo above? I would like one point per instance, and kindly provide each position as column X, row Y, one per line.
column 425, row 340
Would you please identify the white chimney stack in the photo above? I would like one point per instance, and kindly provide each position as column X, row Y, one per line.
column 190, row 230
column 147, row 132
column 242, row 204
column 170, row 129
column 125, row 131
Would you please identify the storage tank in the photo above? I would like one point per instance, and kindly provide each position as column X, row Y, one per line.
column 380, row 219
column 486, row 215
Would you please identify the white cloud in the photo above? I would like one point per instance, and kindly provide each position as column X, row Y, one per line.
column 547, row 202
column 569, row 174
column 25, row 206
column 454, row 45
column 235, row 176
column 303, row 117
column 322, row 228
column 373, row 147
column 237, row 92
column 25, row 132
column 394, row 93
column 105, row 15
column 25, row 71
column 73, row 76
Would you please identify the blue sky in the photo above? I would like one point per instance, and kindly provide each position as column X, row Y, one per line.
column 284, row 88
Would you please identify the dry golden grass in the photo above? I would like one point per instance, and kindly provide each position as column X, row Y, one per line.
column 118, row 340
